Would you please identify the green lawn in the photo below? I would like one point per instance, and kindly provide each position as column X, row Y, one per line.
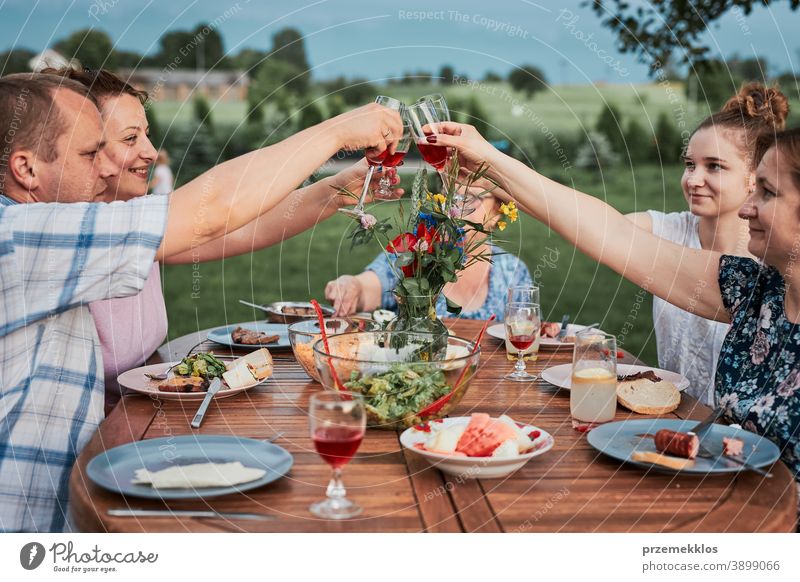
column 299, row 268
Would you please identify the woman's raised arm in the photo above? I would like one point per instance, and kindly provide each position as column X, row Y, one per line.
column 685, row 277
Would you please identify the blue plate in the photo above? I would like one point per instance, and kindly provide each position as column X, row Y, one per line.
column 619, row 440
column 116, row 468
column 222, row 335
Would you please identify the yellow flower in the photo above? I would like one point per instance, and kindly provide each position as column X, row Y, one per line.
column 513, row 215
column 440, row 199
column 501, row 225
column 428, row 196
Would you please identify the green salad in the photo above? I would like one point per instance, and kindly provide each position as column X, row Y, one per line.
column 401, row 391
column 202, row 364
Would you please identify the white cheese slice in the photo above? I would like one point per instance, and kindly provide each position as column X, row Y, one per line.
column 198, row 475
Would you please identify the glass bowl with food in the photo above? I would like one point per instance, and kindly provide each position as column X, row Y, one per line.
column 406, row 378
column 303, row 334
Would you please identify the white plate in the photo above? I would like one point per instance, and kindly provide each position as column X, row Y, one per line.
column 499, row 331
column 561, row 376
column 473, row 467
column 137, row 381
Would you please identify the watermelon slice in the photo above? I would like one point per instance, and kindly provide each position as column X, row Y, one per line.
column 483, row 435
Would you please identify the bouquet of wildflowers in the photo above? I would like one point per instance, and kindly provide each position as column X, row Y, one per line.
column 435, row 239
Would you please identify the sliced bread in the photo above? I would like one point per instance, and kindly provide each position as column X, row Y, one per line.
column 646, row 397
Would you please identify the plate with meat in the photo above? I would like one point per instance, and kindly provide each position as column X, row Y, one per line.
column 548, row 334
column 252, row 334
column 189, row 379
column 666, row 445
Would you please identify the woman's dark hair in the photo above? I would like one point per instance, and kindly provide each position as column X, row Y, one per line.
column 788, row 142
column 754, row 111
column 101, row 83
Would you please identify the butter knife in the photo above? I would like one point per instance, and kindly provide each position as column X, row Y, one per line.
column 216, row 384
column 562, row 333
column 187, row 513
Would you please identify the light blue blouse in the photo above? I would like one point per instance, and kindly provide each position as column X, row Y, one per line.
column 506, row 270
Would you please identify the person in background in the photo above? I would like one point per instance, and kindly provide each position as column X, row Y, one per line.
column 481, row 289
column 719, row 176
column 162, row 181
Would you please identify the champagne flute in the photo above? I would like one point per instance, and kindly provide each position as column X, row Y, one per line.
column 394, row 160
column 337, row 420
column 523, row 322
column 373, row 161
column 593, row 395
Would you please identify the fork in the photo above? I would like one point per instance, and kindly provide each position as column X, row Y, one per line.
column 704, row 453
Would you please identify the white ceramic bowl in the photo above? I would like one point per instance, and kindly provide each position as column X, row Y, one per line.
column 473, row 467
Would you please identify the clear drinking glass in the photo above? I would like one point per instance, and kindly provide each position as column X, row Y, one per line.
column 593, row 396
column 337, row 420
column 523, row 322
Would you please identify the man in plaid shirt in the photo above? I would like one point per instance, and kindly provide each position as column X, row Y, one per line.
column 57, row 258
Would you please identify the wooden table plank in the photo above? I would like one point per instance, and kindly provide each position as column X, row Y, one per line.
column 572, row 488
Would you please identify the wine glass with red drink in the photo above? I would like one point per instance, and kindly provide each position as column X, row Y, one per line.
column 523, row 323
column 374, row 160
column 425, row 123
column 337, row 420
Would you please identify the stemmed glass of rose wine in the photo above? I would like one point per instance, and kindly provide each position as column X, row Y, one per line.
column 374, row 161
column 337, row 420
column 523, row 322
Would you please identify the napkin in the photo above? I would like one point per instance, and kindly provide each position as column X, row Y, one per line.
column 198, row 475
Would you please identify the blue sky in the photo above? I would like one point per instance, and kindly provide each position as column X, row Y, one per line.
column 378, row 40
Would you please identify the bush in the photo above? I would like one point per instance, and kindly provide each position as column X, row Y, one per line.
column 596, row 152
column 668, row 146
column 638, row 141
column 609, row 124
column 527, row 78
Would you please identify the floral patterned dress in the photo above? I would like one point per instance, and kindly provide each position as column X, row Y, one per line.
column 758, row 375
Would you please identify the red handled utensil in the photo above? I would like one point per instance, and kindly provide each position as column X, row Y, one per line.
column 436, row 406
column 321, row 320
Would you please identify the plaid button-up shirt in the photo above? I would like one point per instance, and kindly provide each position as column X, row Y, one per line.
column 54, row 260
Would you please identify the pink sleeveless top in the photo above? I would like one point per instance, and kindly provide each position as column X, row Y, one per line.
column 130, row 330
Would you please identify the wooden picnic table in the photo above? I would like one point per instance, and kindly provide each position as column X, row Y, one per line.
column 572, row 488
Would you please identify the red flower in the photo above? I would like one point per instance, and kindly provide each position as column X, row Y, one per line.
column 429, row 235
column 402, row 244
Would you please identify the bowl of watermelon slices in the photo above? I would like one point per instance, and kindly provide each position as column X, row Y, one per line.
column 477, row 446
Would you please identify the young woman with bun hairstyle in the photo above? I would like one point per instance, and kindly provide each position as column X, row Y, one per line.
column 719, row 176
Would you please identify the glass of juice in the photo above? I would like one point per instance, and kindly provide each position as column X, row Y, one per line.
column 337, row 420
column 523, row 322
column 593, row 396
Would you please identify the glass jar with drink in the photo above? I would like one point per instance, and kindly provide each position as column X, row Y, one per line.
column 593, row 395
